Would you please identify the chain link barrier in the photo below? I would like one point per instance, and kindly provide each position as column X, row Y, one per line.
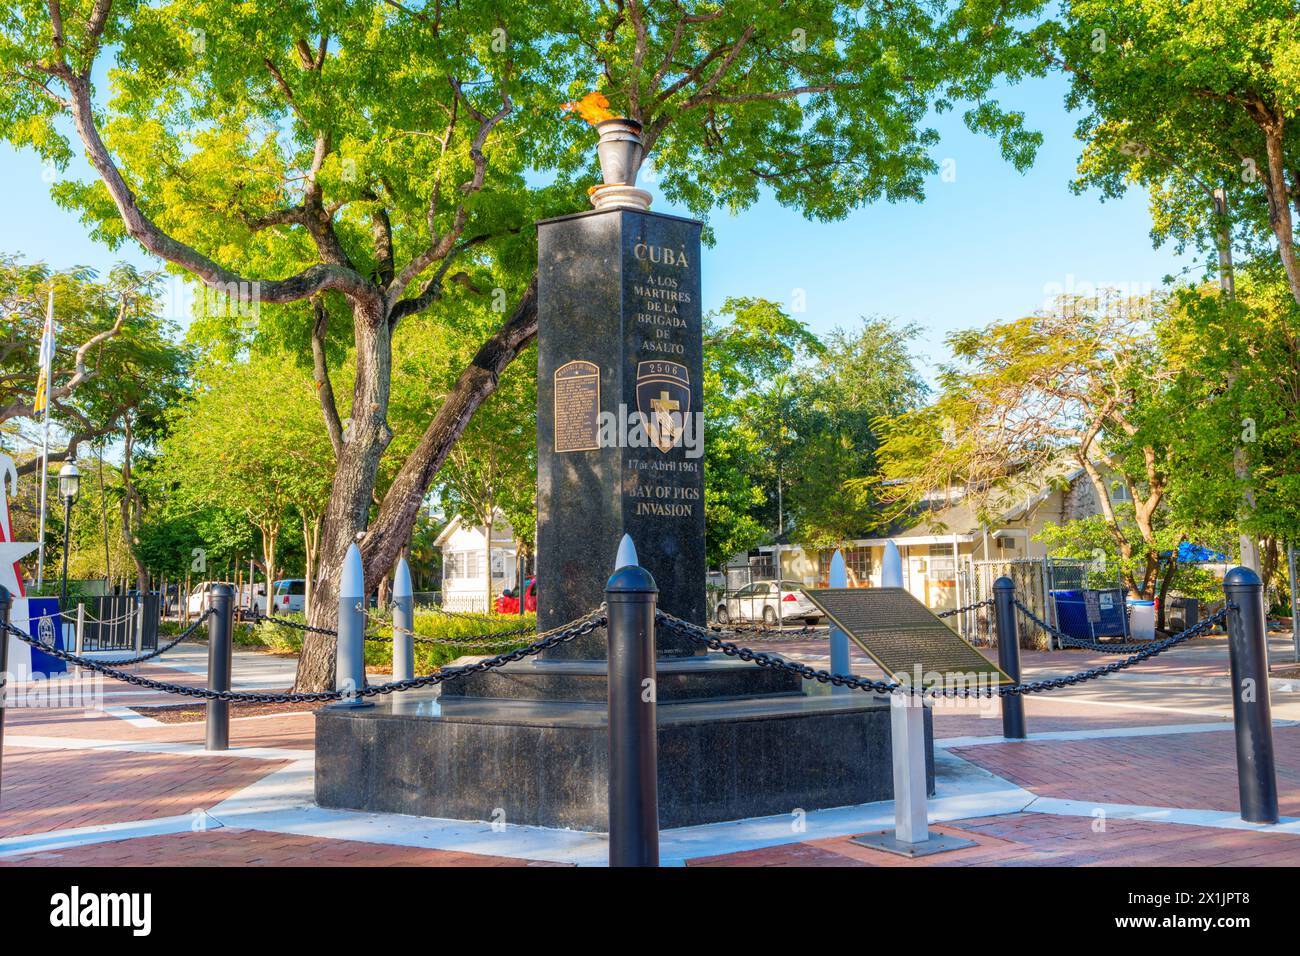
column 765, row 632
column 148, row 655
column 487, row 639
column 553, row 638
column 987, row 602
column 703, row 635
column 1067, row 640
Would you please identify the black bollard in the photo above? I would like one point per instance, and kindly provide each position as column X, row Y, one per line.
column 1251, row 713
column 1004, row 608
column 6, row 605
column 219, row 663
column 631, row 596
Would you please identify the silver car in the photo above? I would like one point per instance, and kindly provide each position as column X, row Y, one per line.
column 767, row 602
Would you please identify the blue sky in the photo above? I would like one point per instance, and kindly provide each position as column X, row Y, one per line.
column 988, row 245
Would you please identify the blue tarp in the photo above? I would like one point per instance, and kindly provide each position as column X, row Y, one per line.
column 1189, row 553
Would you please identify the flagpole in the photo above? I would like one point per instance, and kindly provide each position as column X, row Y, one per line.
column 45, row 449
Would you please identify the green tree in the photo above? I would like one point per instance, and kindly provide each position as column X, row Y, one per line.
column 346, row 161
column 1241, row 386
column 750, row 348
column 861, row 376
column 1081, row 383
column 223, row 456
column 113, row 353
column 1192, row 101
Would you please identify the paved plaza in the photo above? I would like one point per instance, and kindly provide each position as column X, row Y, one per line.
column 1136, row 769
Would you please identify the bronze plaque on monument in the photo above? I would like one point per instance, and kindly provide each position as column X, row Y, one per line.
column 900, row 633
column 577, row 406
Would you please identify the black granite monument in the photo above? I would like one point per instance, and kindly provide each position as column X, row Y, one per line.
column 620, row 443
column 620, row 436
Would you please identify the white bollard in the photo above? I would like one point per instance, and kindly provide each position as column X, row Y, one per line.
column 626, row 557
column 891, row 568
column 403, row 623
column 350, row 663
column 839, row 578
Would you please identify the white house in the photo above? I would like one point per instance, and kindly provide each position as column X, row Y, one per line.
column 466, row 559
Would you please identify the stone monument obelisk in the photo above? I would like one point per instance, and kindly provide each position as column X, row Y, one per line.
column 620, row 437
column 620, row 451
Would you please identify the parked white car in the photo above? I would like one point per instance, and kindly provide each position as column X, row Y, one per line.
column 290, row 595
column 765, row 601
column 201, row 597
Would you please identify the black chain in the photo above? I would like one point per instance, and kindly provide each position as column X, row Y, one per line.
column 489, row 639
column 703, row 636
column 583, row 625
column 1120, row 647
column 987, row 602
column 1148, row 651
column 188, row 632
column 706, row 636
column 473, row 640
column 280, row 622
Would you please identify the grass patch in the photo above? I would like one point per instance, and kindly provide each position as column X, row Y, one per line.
column 428, row 624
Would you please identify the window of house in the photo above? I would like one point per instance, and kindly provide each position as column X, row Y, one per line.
column 857, row 562
column 942, row 564
column 1119, row 491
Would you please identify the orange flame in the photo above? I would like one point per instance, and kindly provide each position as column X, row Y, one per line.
column 593, row 108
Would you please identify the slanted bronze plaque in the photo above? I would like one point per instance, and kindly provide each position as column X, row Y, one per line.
column 899, row 633
column 577, row 407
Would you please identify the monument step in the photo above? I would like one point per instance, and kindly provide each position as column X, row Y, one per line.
column 546, row 763
column 676, row 678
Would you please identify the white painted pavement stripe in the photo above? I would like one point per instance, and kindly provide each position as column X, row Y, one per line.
column 132, row 718
column 103, row 833
column 1216, row 819
column 153, row 747
column 1098, row 734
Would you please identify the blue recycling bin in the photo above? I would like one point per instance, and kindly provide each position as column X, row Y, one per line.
column 1089, row 613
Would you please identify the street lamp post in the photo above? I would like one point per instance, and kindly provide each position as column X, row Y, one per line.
column 69, row 485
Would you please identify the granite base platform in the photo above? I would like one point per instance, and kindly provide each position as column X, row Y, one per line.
column 545, row 762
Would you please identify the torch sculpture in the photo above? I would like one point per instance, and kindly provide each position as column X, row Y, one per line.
column 620, row 151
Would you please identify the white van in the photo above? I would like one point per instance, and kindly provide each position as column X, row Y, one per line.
column 290, row 595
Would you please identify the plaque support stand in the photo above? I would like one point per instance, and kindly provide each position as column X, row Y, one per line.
column 911, row 836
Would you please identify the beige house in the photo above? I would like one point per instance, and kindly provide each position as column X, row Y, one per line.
column 945, row 547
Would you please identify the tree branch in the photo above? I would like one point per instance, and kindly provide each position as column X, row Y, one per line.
column 300, row 286
column 321, row 374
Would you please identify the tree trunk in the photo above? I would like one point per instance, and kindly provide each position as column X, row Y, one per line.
column 270, row 535
column 1279, row 208
column 310, row 535
column 1165, row 585
column 103, row 510
column 487, row 572
column 401, row 505
column 346, row 514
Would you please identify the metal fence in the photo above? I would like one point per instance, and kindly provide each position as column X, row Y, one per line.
column 120, row 622
column 1035, row 580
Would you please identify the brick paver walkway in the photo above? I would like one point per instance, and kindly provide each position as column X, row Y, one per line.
column 1043, row 839
column 1162, row 739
